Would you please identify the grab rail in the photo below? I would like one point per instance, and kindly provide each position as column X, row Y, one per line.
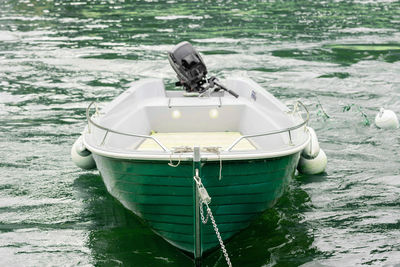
column 276, row 131
column 90, row 121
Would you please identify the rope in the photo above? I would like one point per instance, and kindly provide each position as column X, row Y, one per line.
column 96, row 113
column 181, row 149
column 170, row 161
column 187, row 149
column 216, row 150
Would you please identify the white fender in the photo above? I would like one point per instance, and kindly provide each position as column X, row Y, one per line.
column 386, row 119
column 313, row 159
column 81, row 156
column 313, row 166
column 312, row 148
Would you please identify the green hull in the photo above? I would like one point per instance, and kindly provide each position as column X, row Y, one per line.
column 163, row 195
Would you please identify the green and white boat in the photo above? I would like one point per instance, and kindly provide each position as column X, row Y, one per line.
column 175, row 158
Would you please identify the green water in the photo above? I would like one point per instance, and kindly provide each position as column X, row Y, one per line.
column 341, row 58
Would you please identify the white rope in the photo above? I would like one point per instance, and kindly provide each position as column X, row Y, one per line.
column 182, row 149
column 96, row 113
column 178, row 150
column 216, row 150
column 170, row 161
column 187, row 149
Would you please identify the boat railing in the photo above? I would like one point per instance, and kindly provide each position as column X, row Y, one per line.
column 289, row 129
column 90, row 121
column 165, row 149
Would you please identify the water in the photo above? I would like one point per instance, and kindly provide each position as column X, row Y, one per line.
column 341, row 58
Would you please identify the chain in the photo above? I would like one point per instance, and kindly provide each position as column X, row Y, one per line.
column 204, row 220
column 205, row 200
column 221, row 243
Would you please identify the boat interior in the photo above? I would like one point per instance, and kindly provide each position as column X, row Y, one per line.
column 148, row 119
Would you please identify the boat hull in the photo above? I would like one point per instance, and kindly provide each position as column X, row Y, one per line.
column 163, row 195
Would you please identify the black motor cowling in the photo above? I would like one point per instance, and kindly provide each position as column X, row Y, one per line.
column 189, row 66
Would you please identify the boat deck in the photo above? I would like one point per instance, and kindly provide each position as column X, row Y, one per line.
column 175, row 140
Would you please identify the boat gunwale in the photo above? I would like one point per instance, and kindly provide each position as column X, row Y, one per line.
column 189, row 156
column 167, row 154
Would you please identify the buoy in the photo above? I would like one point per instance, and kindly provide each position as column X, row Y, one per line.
column 313, row 166
column 81, row 156
column 313, row 159
column 386, row 119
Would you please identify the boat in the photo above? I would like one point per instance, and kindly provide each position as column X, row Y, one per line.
column 197, row 165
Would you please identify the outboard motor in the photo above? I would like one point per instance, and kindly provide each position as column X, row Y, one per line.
column 189, row 66
column 191, row 70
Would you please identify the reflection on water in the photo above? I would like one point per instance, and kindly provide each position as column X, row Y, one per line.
column 275, row 237
column 116, row 236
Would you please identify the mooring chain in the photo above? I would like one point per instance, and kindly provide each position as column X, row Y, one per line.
column 204, row 220
column 205, row 199
column 221, row 243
